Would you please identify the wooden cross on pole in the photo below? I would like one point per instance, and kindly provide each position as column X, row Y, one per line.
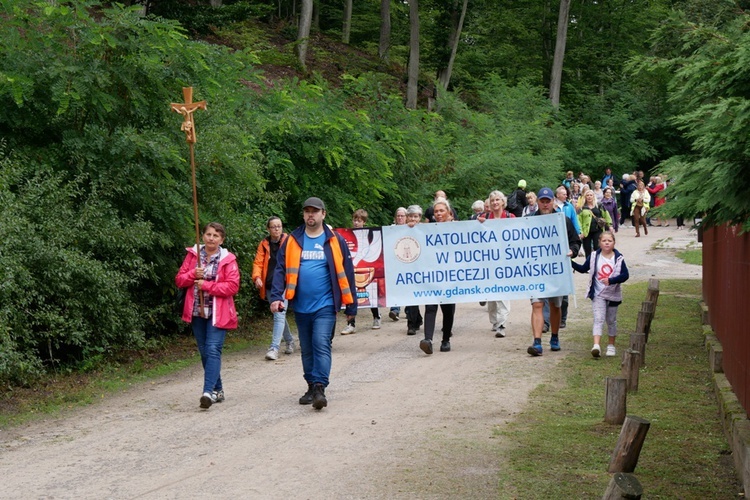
column 187, row 109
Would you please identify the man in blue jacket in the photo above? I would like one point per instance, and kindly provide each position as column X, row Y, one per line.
column 314, row 272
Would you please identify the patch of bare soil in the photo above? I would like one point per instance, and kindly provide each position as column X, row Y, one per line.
column 400, row 424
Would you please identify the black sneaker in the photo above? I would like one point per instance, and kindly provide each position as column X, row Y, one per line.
column 445, row 346
column 307, row 398
column 483, row 304
column 411, row 331
column 545, row 328
column 319, row 397
column 426, row 346
column 393, row 315
column 562, row 324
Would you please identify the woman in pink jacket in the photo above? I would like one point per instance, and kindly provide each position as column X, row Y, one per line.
column 213, row 272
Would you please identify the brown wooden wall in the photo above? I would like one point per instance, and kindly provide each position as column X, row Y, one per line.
column 726, row 291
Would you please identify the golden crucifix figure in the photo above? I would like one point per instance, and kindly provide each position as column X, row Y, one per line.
column 187, row 109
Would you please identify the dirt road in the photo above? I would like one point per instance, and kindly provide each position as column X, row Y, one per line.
column 400, row 424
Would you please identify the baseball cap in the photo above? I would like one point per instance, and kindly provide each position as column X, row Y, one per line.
column 314, row 203
column 522, row 184
column 545, row 193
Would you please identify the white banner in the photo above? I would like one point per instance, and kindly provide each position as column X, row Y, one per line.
column 470, row 261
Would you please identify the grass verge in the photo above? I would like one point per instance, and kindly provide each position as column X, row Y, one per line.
column 57, row 393
column 691, row 257
column 562, row 446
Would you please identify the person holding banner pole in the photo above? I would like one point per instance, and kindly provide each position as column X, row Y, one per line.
column 545, row 200
column 499, row 310
column 441, row 209
column 413, row 316
column 399, row 218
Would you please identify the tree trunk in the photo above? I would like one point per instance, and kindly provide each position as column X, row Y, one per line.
column 316, row 15
column 557, row 63
column 412, row 88
column 444, row 74
column 347, row 28
column 303, row 34
column 385, row 30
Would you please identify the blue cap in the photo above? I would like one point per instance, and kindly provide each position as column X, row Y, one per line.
column 545, row 193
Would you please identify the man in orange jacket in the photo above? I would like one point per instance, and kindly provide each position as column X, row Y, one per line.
column 314, row 272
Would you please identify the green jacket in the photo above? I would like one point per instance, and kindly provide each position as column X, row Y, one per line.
column 585, row 216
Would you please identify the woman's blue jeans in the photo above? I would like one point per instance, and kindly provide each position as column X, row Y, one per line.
column 210, row 342
column 315, row 331
column 281, row 327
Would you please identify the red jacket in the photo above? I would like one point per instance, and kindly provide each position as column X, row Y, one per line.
column 227, row 284
column 658, row 200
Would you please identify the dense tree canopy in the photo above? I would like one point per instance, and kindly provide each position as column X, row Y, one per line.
column 94, row 182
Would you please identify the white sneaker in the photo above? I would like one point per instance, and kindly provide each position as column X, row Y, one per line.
column 376, row 324
column 289, row 348
column 611, row 351
column 596, row 351
column 272, row 354
column 348, row 329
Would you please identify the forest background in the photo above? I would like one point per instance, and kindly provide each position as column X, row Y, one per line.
column 95, row 195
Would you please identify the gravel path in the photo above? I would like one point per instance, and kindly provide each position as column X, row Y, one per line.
column 399, row 424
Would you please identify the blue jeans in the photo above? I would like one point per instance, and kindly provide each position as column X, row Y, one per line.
column 281, row 327
column 315, row 331
column 210, row 342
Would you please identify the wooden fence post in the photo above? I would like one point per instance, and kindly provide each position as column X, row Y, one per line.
column 630, row 369
column 615, row 400
column 629, row 444
column 645, row 315
column 652, row 292
column 623, row 485
column 638, row 343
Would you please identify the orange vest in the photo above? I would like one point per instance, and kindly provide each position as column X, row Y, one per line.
column 294, row 257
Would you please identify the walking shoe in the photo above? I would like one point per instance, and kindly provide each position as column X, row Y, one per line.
column 554, row 343
column 611, row 351
column 545, row 328
column 218, row 396
column 393, row 315
column 535, row 350
column 411, row 331
column 562, row 324
column 319, row 397
column 500, row 332
column 494, row 327
column 596, row 351
column 483, row 304
column 207, row 400
column 376, row 324
column 445, row 346
column 348, row 329
column 272, row 354
column 307, row 398
column 289, row 348
column 426, row 346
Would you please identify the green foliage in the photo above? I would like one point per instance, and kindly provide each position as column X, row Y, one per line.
column 609, row 130
column 202, row 19
column 69, row 267
column 709, row 90
column 513, row 137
